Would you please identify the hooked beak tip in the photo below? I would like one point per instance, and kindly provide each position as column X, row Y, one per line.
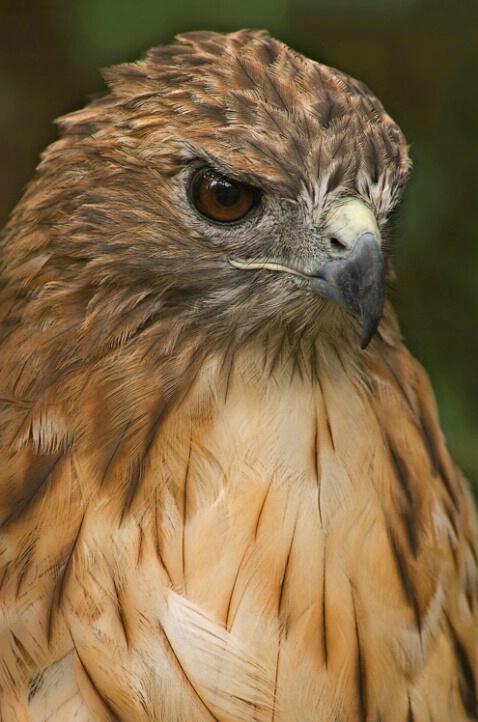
column 357, row 283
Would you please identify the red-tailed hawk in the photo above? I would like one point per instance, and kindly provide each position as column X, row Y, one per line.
column 225, row 494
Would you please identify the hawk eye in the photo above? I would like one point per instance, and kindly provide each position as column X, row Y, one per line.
column 220, row 198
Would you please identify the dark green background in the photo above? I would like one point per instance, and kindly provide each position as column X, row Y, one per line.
column 419, row 56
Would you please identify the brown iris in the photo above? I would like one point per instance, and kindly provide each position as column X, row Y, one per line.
column 221, row 198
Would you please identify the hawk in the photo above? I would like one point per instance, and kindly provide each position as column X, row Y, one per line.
column 225, row 494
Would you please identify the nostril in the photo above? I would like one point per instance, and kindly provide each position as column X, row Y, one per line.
column 336, row 244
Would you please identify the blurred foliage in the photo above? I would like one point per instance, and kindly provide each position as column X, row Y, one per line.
column 419, row 56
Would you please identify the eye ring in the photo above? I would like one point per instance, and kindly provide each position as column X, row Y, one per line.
column 222, row 199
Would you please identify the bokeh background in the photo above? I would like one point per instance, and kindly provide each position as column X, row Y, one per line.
column 420, row 57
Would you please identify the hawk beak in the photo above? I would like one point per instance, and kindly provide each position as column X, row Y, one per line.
column 354, row 277
column 356, row 283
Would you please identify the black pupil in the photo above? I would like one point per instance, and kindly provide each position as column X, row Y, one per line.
column 227, row 193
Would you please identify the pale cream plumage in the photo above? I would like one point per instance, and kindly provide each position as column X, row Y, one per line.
column 215, row 504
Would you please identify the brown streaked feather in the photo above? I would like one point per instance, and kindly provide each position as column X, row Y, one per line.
column 213, row 504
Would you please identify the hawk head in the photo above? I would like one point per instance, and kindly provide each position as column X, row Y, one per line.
column 223, row 185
